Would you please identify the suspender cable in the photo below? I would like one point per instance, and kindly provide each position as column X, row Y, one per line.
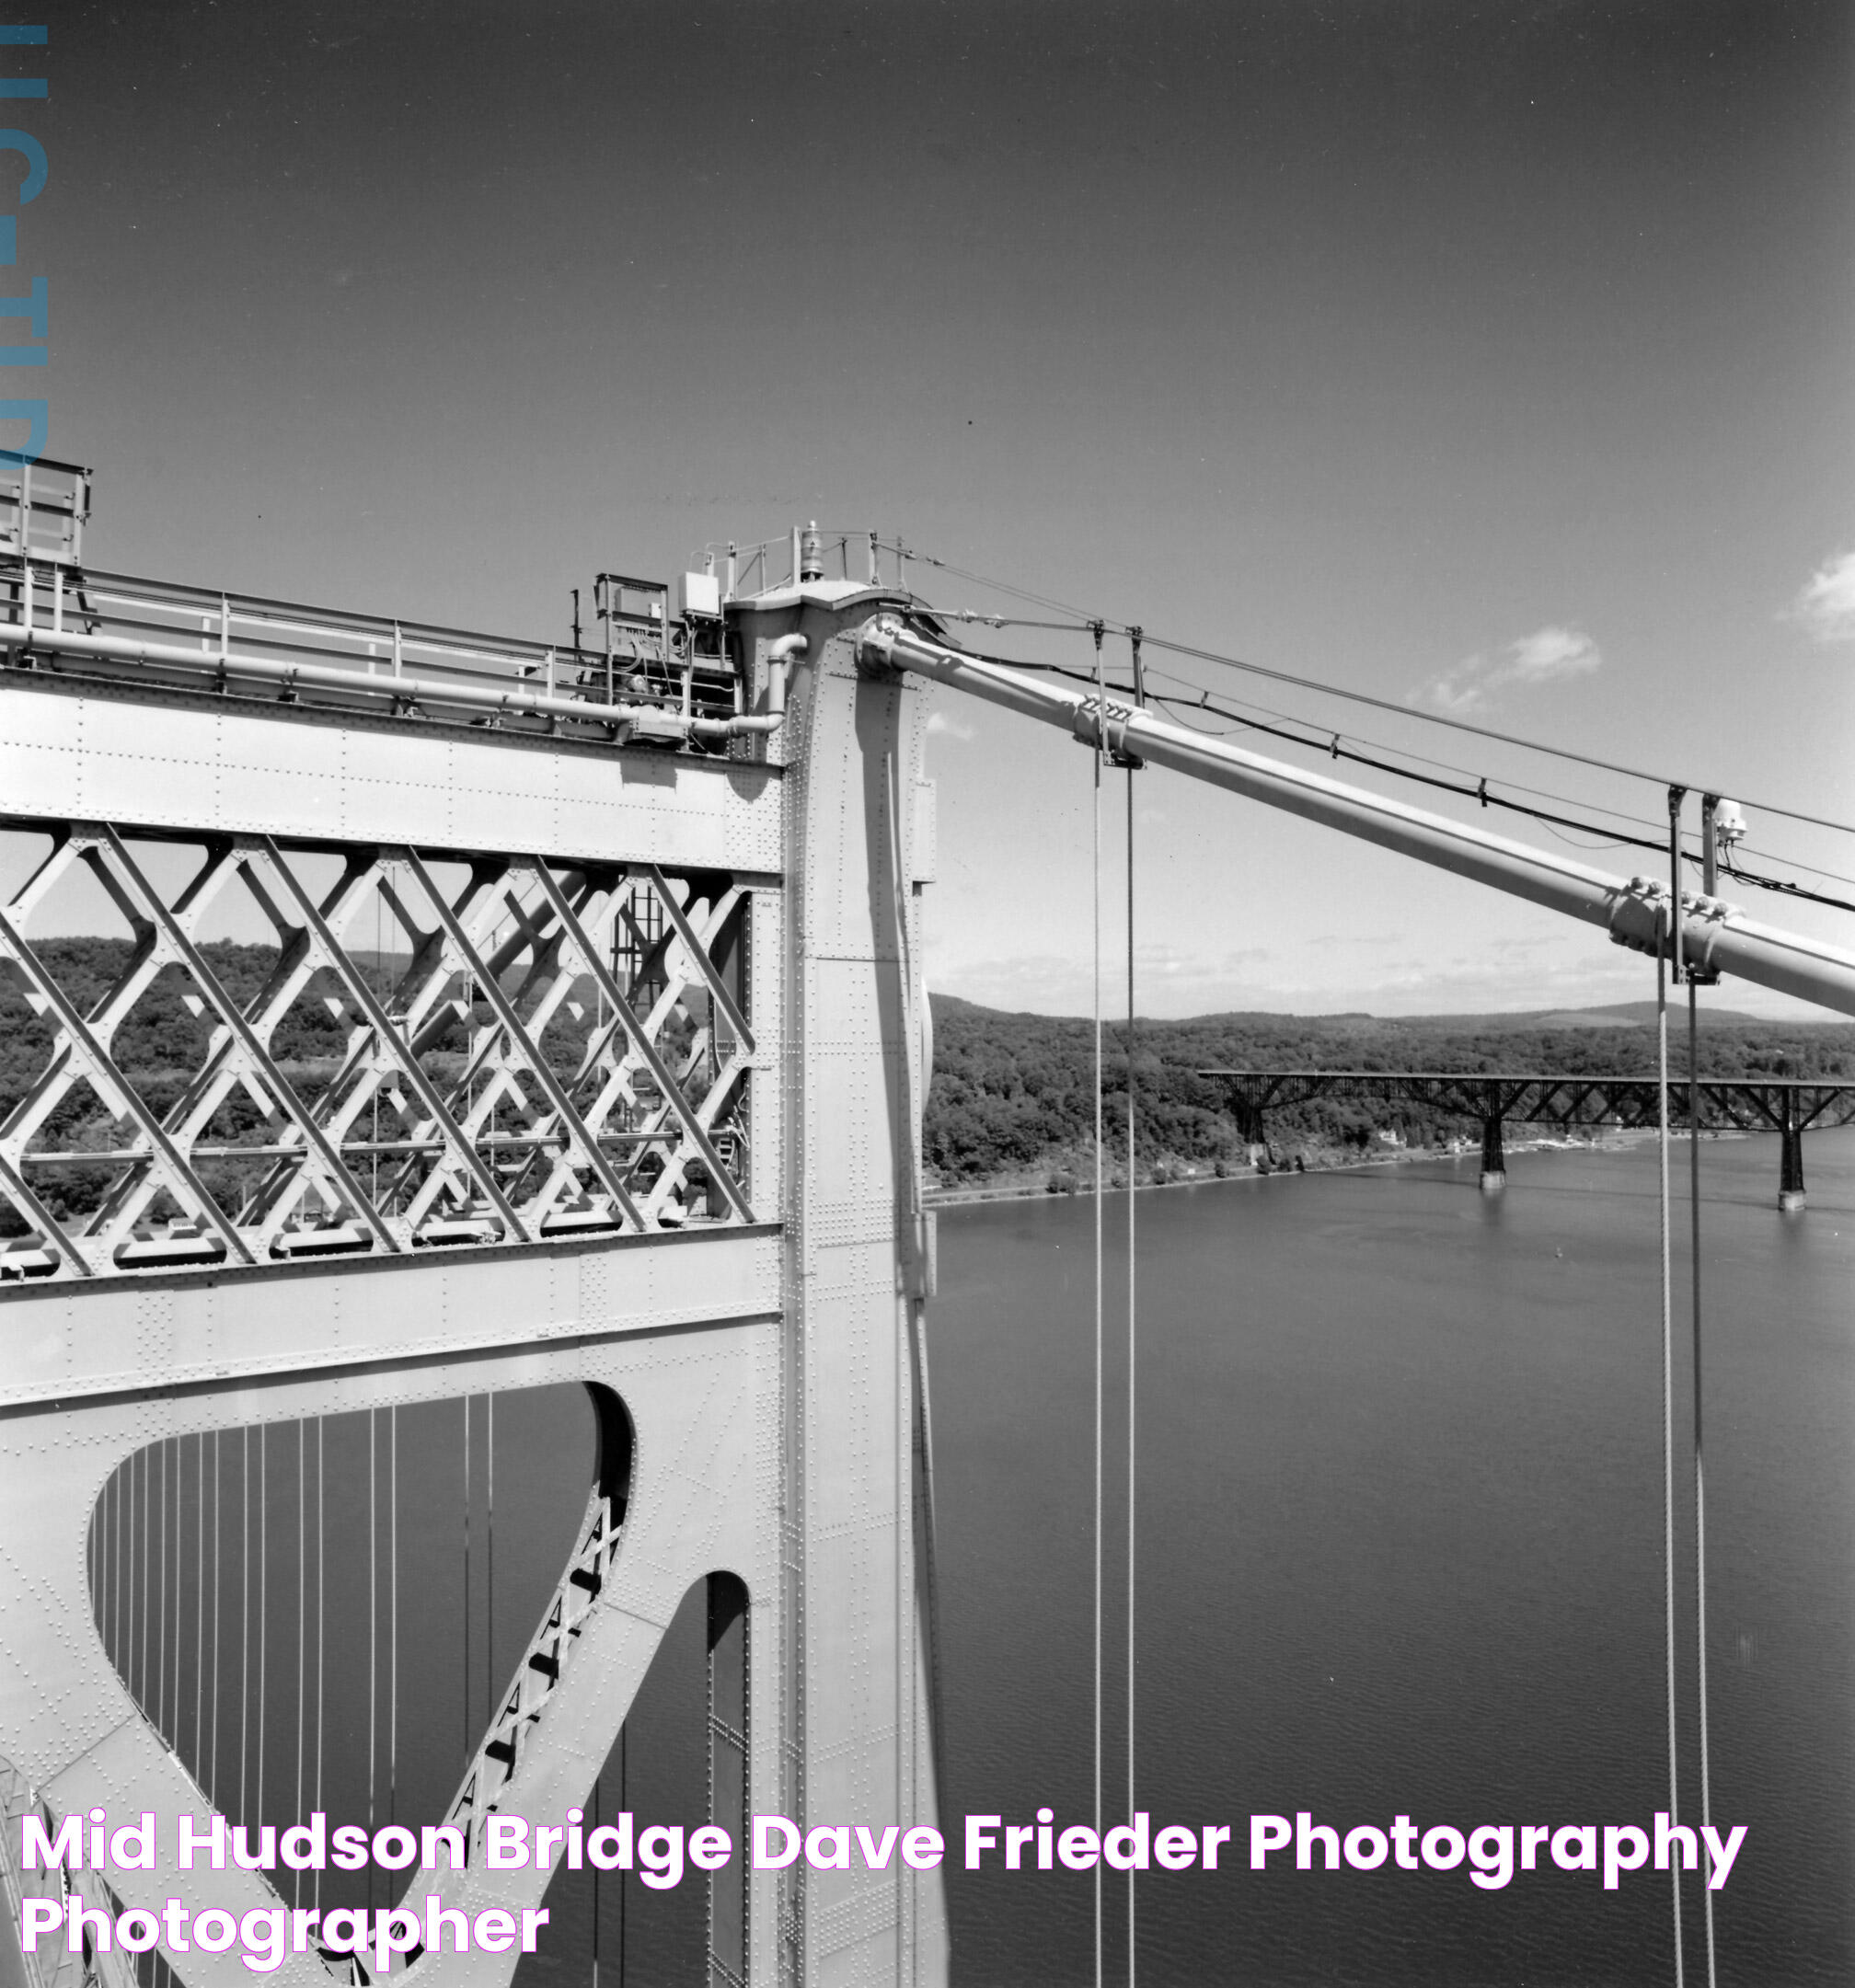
column 218, row 1503
column 1662, row 966
column 302, row 1610
column 1132, row 1345
column 393, row 1613
column 489, row 1560
column 161, row 1603
column 139, row 1501
column 1700, row 1469
column 245, row 1628
column 466, row 1583
column 373, row 1634
column 321, row 1613
column 263, row 1604
column 1100, row 735
column 114, row 1491
column 595, row 1887
column 199, row 1604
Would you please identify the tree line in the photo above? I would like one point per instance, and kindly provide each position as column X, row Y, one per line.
column 1013, row 1095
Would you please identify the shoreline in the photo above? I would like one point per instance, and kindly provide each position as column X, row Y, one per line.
column 1025, row 1190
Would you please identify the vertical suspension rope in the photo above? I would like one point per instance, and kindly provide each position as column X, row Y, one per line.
column 245, row 1628
column 1133, row 1347
column 595, row 1887
column 1700, row 1470
column 140, row 1499
column 372, row 1636
column 1664, row 953
column 1100, row 740
column 114, row 1489
column 161, row 1618
column 302, row 1611
column 393, row 1613
column 218, row 1502
column 466, row 1583
column 321, row 1609
column 489, row 1560
column 263, row 1606
column 200, row 1608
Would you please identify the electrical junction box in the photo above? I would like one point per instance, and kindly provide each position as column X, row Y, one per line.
column 699, row 594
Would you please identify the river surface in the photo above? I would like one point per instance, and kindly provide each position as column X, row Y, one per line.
column 1400, row 1552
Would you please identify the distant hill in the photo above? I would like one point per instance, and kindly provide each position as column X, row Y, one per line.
column 1013, row 1094
column 1624, row 1015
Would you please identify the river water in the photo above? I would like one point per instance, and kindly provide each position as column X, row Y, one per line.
column 1400, row 1552
column 1400, row 1545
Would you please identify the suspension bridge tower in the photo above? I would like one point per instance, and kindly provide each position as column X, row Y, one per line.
column 628, row 1096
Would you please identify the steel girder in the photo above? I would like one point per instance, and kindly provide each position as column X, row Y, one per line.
column 521, row 1048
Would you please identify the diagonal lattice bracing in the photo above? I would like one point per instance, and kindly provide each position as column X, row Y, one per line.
column 300, row 1049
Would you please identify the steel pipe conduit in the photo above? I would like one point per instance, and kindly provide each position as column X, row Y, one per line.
column 1716, row 935
column 643, row 721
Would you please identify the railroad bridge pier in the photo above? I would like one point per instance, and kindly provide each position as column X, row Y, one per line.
column 1787, row 1105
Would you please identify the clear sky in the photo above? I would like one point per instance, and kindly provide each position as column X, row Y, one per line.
column 1491, row 358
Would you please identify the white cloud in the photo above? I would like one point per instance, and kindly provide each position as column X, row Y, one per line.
column 1546, row 656
column 940, row 726
column 1827, row 604
column 1549, row 653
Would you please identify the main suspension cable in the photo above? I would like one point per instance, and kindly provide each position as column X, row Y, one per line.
column 1085, row 622
column 1468, row 785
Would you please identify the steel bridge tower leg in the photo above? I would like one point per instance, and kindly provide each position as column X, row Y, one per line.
column 857, row 1714
column 1494, row 1155
column 774, row 1369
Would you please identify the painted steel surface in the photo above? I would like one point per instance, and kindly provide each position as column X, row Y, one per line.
column 764, row 1334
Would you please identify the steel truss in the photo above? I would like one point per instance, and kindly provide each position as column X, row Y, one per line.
column 1746, row 1104
column 523, row 1048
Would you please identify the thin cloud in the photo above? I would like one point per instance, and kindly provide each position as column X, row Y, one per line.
column 1827, row 604
column 1547, row 656
column 940, row 726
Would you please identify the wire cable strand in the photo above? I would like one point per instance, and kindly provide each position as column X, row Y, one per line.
column 1085, row 622
column 393, row 1613
column 302, row 1611
column 1469, row 785
column 1100, row 736
column 373, row 1632
column 1132, row 1363
column 321, row 1601
column 1669, row 938
column 1699, row 1468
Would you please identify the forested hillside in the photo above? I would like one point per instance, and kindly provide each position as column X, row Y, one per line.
column 1013, row 1094
column 1012, row 1097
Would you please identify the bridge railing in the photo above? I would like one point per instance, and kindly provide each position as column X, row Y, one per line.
column 837, row 552
column 189, row 636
